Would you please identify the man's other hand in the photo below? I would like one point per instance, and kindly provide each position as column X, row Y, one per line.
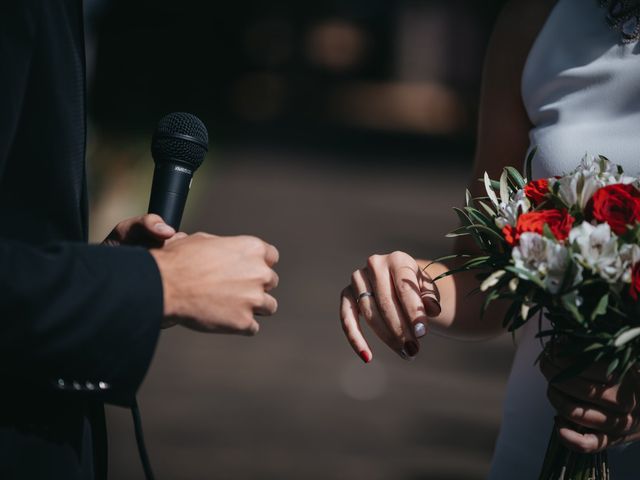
column 217, row 284
column 145, row 231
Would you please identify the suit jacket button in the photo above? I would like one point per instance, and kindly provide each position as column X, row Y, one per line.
column 77, row 386
column 61, row 384
column 90, row 386
column 103, row 386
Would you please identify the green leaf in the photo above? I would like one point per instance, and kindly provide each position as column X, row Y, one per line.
column 626, row 337
column 601, row 308
column 612, row 366
column 456, row 235
column 458, row 232
column 447, row 257
column 468, row 198
column 511, row 314
column 505, row 193
column 476, row 262
column 546, row 231
column 490, row 297
column 517, row 178
column 490, row 192
column 465, row 221
column 492, row 233
column 528, row 164
column 568, row 302
column 462, row 216
column 479, row 217
column 492, row 280
column 594, row 346
column 525, row 275
column 453, row 271
column 487, row 209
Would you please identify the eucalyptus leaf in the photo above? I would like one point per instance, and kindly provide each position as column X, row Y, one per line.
column 612, row 366
column 594, row 346
column 490, row 192
column 504, row 187
column 492, row 280
column 626, row 337
column 479, row 217
column 468, row 198
column 528, row 164
column 459, row 232
column 447, row 257
column 568, row 302
column 453, row 271
column 490, row 297
column 525, row 275
column 487, row 209
column 601, row 308
column 517, row 178
column 511, row 314
column 462, row 216
column 495, row 235
column 546, row 231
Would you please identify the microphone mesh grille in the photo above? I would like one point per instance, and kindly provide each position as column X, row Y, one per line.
column 167, row 143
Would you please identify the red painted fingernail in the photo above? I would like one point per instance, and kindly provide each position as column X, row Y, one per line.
column 366, row 356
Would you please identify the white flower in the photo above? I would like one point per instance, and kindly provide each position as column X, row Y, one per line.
column 592, row 165
column 593, row 173
column 597, row 249
column 508, row 212
column 544, row 259
column 629, row 256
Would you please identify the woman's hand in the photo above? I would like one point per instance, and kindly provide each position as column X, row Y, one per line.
column 595, row 412
column 395, row 297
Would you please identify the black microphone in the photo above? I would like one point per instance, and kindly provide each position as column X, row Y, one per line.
column 178, row 147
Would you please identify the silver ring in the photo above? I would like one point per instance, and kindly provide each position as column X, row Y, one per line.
column 363, row 295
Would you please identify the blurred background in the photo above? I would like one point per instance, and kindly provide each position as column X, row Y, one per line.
column 339, row 128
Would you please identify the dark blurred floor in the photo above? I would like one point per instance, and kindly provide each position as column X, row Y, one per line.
column 294, row 402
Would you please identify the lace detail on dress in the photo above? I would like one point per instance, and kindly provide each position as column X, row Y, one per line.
column 624, row 16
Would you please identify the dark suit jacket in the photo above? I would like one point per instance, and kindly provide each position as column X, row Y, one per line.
column 78, row 323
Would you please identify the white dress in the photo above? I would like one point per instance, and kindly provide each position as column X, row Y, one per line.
column 581, row 89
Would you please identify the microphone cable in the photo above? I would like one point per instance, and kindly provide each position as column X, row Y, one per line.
column 142, row 449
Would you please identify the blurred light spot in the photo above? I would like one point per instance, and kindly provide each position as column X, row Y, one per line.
column 415, row 107
column 258, row 96
column 269, row 42
column 363, row 382
column 336, row 45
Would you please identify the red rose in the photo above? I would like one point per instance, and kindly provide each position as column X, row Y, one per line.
column 634, row 289
column 536, row 190
column 559, row 222
column 511, row 235
column 618, row 205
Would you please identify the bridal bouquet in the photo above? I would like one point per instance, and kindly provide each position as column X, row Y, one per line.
column 568, row 248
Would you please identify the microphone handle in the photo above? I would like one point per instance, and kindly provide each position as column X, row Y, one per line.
column 171, row 184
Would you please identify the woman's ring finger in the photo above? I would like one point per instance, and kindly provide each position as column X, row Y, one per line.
column 363, row 295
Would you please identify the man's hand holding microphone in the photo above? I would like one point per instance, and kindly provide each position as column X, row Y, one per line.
column 210, row 283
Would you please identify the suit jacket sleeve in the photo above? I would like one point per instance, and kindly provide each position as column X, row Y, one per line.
column 79, row 318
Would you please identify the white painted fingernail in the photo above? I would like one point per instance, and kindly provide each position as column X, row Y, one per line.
column 163, row 228
column 420, row 329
